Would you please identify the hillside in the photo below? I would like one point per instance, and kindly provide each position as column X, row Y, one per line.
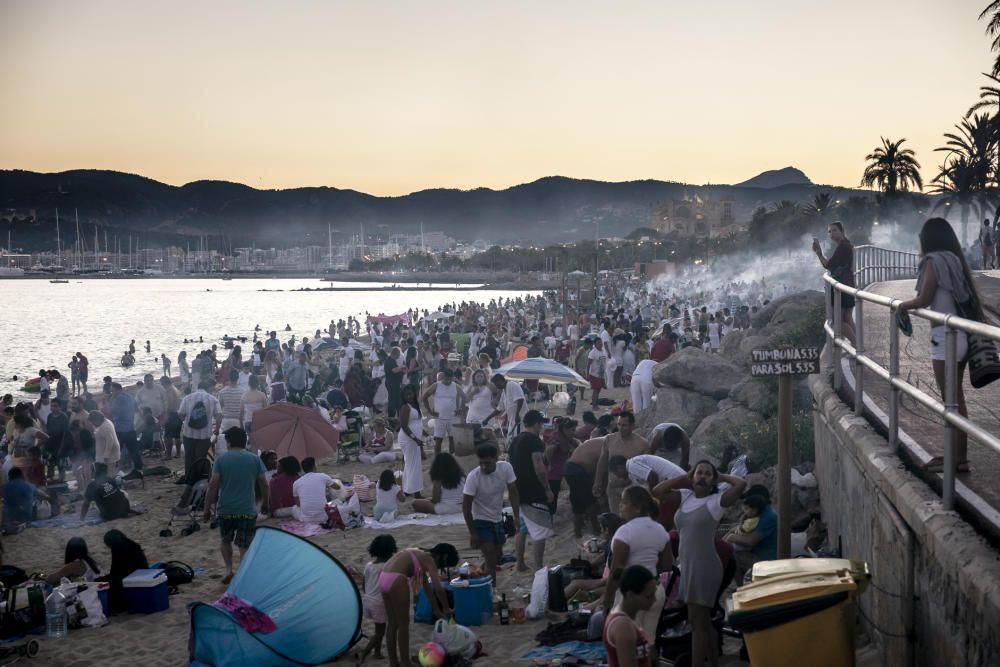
column 776, row 178
column 547, row 210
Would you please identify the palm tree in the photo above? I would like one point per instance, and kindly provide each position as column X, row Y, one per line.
column 956, row 185
column 892, row 169
column 821, row 206
column 993, row 29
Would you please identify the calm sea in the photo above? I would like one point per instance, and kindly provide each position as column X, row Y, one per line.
column 45, row 323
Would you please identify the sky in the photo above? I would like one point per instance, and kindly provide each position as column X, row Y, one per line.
column 389, row 97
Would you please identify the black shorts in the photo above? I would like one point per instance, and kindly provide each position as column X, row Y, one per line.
column 239, row 529
column 172, row 427
column 846, row 300
column 581, row 488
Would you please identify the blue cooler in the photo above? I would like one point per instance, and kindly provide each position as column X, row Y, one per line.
column 146, row 592
column 473, row 603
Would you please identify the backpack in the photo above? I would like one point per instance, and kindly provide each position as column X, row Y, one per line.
column 199, row 415
column 178, row 573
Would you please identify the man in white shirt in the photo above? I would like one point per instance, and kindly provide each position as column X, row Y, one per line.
column 310, row 493
column 106, row 447
column 649, row 470
column 511, row 403
column 152, row 396
column 597, row 360
column 482, row 504
column 201, row 416
column 448, row 401
column 641, row 385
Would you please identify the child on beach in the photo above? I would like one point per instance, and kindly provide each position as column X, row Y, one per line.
column 381, row 549
column 387, row 494
column 752, row 507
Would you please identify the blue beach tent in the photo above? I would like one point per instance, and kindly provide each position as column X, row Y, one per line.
column 307, row 593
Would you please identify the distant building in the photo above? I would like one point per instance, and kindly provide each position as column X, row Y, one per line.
column 15, row 261
column 696, row 217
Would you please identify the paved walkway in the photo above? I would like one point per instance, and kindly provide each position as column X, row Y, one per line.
column 924, row 427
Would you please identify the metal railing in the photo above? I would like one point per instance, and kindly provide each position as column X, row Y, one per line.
column 875, row 265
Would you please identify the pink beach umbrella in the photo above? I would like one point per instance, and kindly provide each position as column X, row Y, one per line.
column 292, row 430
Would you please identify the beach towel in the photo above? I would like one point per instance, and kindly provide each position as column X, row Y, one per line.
column 593, row 652
column 304, row 529
column 69, row 520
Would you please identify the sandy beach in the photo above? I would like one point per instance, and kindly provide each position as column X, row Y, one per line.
column 161, row 639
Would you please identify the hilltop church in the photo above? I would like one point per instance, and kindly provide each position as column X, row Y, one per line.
column 697, row 217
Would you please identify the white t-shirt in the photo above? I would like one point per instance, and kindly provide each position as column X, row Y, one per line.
column 487, row 491
column 385, row 499
column 512, row 393
column 640, row 466
column 310, row 489
column 597, row 367
column 645, row 539
column 644, row 371
column 445, row 400
column 453, row 496
column 690, row 502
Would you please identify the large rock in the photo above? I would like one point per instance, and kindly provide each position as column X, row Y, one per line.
column 684, row 408
column 718, row 430
column 758, row 395
column 709, row 374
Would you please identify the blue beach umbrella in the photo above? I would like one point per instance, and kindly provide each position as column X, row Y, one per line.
column 544, row 370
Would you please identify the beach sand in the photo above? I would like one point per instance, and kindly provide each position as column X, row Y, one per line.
column 160, row 640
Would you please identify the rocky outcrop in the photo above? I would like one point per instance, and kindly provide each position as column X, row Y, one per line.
column 680, row 406
column 708, row 374
column 720, row 429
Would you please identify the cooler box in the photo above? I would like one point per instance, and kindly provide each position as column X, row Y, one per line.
column 102, row 595
column 785, row 617
column 146, row 592
column 472, row 604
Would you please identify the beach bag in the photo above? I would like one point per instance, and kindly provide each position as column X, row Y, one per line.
column 25, row 608
column 43, row 510
column 178, row 573
column 983, row 359
column 90, row 600
column 364, row 488
column 333, row 520
column 539, row 602
column 456, row 639
column 199, row 416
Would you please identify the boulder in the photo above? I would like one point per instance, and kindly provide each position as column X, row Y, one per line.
column 709, row 374
column 788, row 310
column 683, row 407
column 759, row 395
column 716, row 431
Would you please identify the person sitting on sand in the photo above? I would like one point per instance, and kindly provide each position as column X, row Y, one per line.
column 126, row 558
column 448, row 480
column 19, row 498
column 403, row 575
column 378, row 443
column 282, row 498
column 111, row 501
column 381, row 549
column 309, row 491
column 610, row 523
column 77, row 564
column 387, row 495
column 627, row 643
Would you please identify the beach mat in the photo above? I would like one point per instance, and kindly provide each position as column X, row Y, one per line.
column 69, row 520
column 303, row 529
column 593, row 652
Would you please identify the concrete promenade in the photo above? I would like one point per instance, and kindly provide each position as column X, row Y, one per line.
column 923, row 434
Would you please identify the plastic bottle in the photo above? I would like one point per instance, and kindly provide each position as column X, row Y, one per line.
column 55, row 614
column 504, row 610
column 517, row 606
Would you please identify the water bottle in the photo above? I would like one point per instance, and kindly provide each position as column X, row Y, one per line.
column 55, row 614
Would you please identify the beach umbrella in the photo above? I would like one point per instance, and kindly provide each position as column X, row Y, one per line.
column 544, row 370
column 439, row 315
column 292, row 430
column 577, row 274
column 327, row 344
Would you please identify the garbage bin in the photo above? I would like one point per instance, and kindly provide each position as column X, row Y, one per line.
column 797, row 619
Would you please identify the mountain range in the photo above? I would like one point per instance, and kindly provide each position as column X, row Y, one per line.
column 551, row 209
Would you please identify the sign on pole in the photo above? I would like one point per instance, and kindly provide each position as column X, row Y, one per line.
column 783, row 363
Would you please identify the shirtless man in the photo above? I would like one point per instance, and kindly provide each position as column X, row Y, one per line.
column 625, row 443
column 579, row 475
column 672, row 443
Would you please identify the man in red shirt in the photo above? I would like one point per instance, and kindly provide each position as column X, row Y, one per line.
column 664, row 348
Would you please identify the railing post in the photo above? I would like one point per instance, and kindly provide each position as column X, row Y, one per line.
column 893, row 390
column 838, row 323
column 859, row 347
column 950, row 405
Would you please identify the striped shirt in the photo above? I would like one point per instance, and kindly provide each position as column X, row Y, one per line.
column 231, row 398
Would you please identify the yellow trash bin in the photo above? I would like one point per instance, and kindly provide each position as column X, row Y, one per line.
column 797, row 619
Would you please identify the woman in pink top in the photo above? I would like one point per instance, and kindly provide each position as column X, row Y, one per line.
column 282, row 499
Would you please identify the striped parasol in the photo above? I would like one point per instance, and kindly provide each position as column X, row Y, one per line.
column 544, row 370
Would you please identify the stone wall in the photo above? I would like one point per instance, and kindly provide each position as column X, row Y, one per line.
column 875, row 510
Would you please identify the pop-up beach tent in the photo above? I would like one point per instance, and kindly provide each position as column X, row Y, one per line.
column 305, row 591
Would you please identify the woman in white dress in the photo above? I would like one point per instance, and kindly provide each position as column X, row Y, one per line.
column 411, row 441
column 480, row 398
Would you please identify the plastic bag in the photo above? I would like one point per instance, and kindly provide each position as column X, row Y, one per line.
column 456, row 639
column 92, row 603
column 539, row 602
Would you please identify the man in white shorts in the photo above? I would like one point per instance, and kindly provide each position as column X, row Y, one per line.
column 641, row 385
column 448, row 401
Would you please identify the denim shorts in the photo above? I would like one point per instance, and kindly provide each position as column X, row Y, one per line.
column 490, row 532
